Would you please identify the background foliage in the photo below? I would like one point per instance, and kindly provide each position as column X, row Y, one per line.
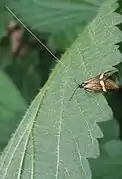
column 25, row 67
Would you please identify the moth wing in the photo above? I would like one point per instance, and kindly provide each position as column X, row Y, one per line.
column 93, row 80
column 111, row 85
column 92, row 86
column 109, row 74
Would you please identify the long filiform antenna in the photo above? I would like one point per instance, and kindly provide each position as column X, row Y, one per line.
column 73, row 93
column 38, row 40
column 79, row 86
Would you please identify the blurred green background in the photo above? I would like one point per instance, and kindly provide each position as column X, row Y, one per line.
column 26, row 65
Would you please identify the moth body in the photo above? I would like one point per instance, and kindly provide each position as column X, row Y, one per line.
column 100, row 83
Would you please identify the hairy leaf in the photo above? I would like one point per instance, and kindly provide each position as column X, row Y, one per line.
column 56, row 136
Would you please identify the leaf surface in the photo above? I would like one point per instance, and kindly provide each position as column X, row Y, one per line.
column 12, row 107
column 56, row 136
column 108, row 165
column 59, row 18
column 4, row 17
column 53, row 15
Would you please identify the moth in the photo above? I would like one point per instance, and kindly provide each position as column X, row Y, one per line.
column 100, row 83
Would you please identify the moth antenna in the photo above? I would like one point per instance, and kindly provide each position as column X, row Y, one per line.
column 76, row 82
column 73, row 93
column 38, row 40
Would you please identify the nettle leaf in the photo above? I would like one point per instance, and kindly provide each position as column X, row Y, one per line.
column 56, row 136
column 54, row 16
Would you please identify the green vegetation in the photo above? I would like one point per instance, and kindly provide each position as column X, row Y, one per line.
column 58, row 138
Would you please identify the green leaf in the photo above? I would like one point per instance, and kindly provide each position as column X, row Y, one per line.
column 12, row 107
column 53, row 15
column 5, row 17
column 27, row 76
column 109, row 164
column 9, row 95
column 56, row 136
column 61, row 19
column 115, row 102
column 110, row 131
